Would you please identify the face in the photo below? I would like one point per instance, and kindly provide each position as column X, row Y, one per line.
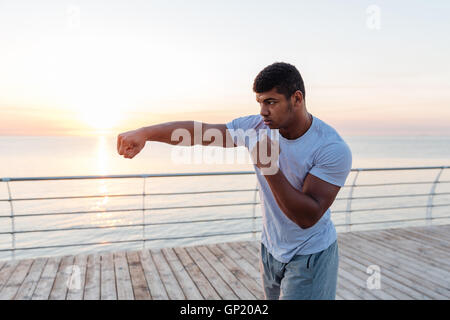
column 276, row 110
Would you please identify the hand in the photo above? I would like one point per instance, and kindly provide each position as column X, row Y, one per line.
column 130, row 143
column 265, row 155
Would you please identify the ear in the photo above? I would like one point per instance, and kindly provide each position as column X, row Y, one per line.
column 297, row 98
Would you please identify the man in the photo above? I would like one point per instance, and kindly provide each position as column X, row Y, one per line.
column 299, row 252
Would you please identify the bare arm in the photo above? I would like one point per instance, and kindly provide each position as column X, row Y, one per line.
column 186, row 133
column 198, row 132
column 304, row 207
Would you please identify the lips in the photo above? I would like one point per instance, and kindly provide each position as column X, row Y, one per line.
column 267, row 121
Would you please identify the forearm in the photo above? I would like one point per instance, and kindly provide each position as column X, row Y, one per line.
column 163, row 132
column 296, row 205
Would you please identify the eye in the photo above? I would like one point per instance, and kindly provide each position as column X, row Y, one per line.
column 271, row 102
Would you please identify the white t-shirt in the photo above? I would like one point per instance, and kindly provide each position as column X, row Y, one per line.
column 320, row 151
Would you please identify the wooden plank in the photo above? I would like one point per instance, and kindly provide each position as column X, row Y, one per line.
column 356, row 285
column 251, row 248
column 250, row 269
column 344, row 293
column 28, row 286
column 5, row 273
column 140, row 288
column 170, row 282
column 384, row 293
column 92, row 283
column 396, row 261
column 435, row 239
column 430, row 267
column 202, row 283
column 253, row 286
column 60, row 287
column 437, row 233
column 48, row 276
column 422, row 240
column 10, row 289
column 353, row 290
column 250, row 257
column 188, row 286
column 78, row 278
column 123, row 278
column 239, row 289
column 256, row 246
column 108, row 289
column 154, row 283
column 387, row 284
column 392, row 271
column 425, row 247
column 214, row 278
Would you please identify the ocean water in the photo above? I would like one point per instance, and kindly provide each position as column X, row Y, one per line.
column 67, row 156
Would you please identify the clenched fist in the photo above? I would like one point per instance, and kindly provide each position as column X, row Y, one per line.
column 130, row 143
column 265, row 154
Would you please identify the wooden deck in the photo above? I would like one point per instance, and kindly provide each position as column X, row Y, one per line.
column 414, row 264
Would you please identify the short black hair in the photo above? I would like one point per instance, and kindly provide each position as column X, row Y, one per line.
column 280, row 75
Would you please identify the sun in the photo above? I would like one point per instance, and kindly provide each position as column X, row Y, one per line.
column 99, row 113
column 100, row 118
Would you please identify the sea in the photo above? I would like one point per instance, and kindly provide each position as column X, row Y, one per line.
column 121, row 216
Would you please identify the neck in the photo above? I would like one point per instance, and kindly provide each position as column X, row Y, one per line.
column 298, row 127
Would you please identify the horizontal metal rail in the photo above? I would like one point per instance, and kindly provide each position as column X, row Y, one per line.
column 132, row 195
column 396, row 183
column 136, row 209
column 389, row 221
column 132, row 225
column 134, row 240
column 131, row 176
column 191, row 174
column 393, row 208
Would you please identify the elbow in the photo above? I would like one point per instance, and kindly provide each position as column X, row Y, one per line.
column 304, row 222
column 306, row 225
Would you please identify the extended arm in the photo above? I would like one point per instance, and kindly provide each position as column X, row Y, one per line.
column 198, row 133
column 186, row 133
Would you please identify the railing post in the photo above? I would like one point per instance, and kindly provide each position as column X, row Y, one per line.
column 348, row 213
column 143, row 215
column 254, row 213
column 13, row 228
column 431, row 196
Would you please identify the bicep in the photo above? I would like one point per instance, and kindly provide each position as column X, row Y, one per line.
column 321, row 191
column 217, row 135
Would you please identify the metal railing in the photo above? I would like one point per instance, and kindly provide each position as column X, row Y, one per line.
column 348, row 211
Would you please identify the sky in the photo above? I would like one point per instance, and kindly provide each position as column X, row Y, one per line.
column 104, row 67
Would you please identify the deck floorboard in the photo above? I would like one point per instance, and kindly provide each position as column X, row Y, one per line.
column 414, row 263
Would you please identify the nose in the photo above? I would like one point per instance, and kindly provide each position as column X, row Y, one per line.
column 264, row 111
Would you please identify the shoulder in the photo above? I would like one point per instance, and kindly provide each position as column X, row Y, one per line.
column 245, row 122
column 333, row 147
column 334, row 150
column 332, row 162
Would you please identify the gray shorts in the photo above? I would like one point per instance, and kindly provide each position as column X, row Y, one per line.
column 305, row 277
